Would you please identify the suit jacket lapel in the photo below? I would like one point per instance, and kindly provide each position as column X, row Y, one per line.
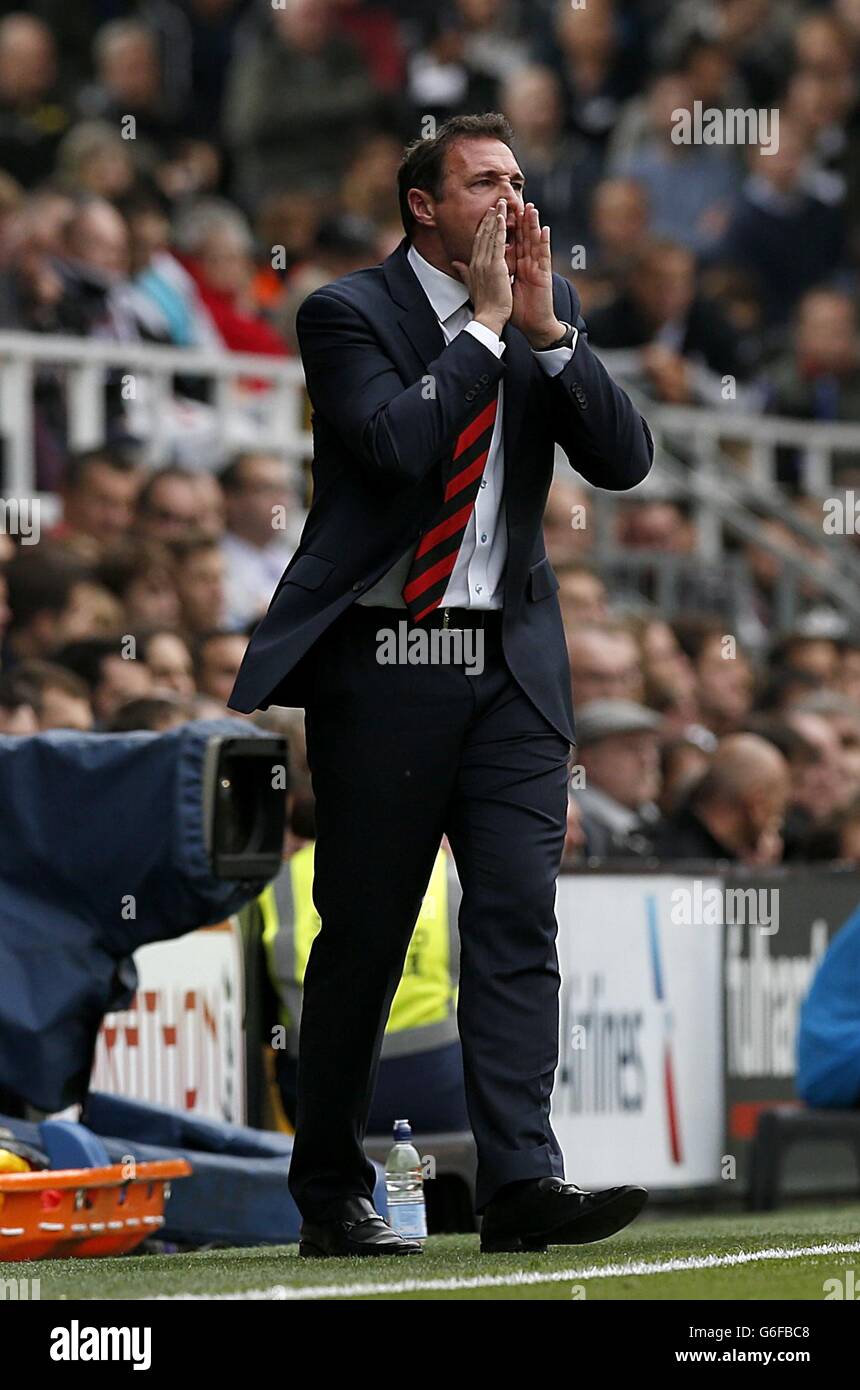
column 417, row 320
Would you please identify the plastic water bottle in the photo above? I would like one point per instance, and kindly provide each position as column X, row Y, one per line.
column 404, row 1185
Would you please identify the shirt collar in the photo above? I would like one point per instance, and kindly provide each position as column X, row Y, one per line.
column 446, row 294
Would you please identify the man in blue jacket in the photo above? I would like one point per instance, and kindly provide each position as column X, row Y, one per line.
column 441, row 383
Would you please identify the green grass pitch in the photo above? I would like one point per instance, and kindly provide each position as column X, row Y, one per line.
column 745, row 1256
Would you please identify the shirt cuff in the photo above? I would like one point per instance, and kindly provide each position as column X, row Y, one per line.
column 554, row 360
column 486, row 336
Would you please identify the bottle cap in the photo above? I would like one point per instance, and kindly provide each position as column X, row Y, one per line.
column 402, row 1131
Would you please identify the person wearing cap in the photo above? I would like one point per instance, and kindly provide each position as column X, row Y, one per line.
column 617, row 752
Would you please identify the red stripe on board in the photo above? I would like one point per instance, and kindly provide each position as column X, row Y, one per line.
column 671, row 1106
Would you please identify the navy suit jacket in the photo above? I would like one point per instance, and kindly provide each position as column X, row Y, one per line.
column 389, row 399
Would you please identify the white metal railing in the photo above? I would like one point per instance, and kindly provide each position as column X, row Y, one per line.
column 171, row 427
column 274, row 418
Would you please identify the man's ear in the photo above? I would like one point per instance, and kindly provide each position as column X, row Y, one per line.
column 422, row 207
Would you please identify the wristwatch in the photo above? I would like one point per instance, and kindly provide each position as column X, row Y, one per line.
column 567, row 339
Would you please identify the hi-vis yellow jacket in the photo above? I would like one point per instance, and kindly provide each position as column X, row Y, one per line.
column 423, row 1010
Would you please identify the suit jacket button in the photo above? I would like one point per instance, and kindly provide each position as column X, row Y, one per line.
column 470, row 395
column 485, row 379
column 359, row 584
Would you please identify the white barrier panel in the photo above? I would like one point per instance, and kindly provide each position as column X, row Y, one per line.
column 639, row 1089
column 181, row 1043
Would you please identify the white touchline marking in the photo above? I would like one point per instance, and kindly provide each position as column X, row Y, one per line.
column 516, row 1278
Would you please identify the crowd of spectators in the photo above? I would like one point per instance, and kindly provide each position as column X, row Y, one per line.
column 185, row 172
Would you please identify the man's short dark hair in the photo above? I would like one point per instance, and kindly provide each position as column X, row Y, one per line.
column 423, row 162
column 78, row 465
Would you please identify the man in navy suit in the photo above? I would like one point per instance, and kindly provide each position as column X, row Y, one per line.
column 441, row 382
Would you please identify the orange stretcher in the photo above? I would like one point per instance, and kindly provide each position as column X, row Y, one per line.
column 83, row 1211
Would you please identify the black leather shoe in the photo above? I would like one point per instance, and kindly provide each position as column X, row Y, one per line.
column 355, row 1228
column 549, row 1211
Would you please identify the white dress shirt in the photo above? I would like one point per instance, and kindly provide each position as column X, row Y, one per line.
column 476, row 580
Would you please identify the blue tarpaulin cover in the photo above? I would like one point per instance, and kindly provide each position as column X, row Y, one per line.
column 828, row 1039
column 102, row 849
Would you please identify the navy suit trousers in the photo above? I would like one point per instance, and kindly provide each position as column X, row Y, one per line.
column 400, row 755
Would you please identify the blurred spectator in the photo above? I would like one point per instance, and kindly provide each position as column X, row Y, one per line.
column 298, row 98
column 565, row 520
column 129, row 84
column 98, row 490
column 787, row 226
column 167, row 506
column 561, row 170
column 843, row 716
column 687, row 348
column 755, row 33
column 93, row 160
column 604, row 664
column 33, row 114
column 140, row 574
column 617, row 749
column 160, row 277
column 42, row 596
column 169, row 660
column 17, row 712
column 690, row 187
column 811, row 750
column 112, row 671
column 724, row 676
column 683, row 762
column 819, row 378
column 200, row 582
column 619, row 224
column 668, row 675
column 343, row 244
column 599, row 71
column 582, row 595
column 210, row 504
column 735, row 811
column 369, row 185
column 837, row 840
column 218, row 249
column 59, row 698
column 98, row 299
column 261, row 535
column 219, row 656
column 155, row 713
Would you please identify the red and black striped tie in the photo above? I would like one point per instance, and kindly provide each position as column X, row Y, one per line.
column 437, row 550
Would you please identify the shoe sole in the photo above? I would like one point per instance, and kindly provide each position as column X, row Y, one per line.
column 613, row 1216
column 309, row 1251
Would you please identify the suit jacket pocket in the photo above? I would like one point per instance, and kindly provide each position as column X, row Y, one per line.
column 542, row 580
column 309, row 571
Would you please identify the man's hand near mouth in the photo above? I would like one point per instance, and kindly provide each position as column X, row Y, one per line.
column 533, row 312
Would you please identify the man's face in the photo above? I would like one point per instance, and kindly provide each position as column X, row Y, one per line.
column 169, row 661
column 477, row 174
column 263, row 488
column 604, row 667
column 725, row 683
column 121, row 680
column 625, row 766
column 102, row 506
column 171, row 511
column 201, row 589
column 221, row 659
column 60, row 710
